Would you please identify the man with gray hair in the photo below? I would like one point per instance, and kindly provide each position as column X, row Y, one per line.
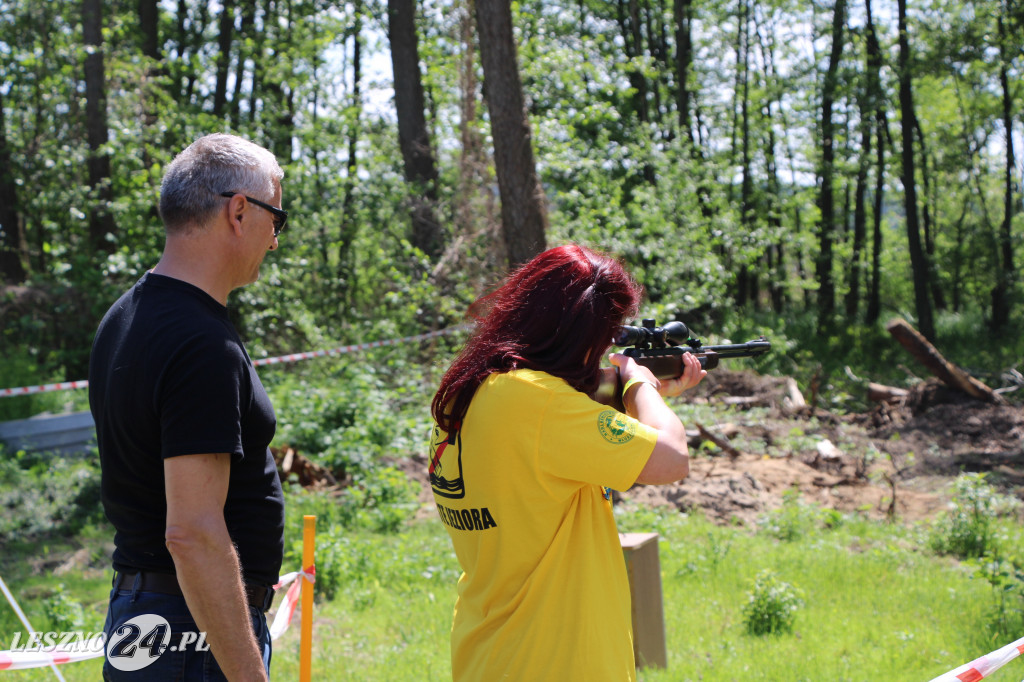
column 183, row 426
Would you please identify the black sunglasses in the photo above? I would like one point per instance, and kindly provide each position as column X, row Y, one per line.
column 280, row 216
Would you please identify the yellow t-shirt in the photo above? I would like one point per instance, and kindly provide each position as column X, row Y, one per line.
column 520, row 487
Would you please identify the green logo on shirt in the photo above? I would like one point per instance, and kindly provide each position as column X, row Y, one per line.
column 616, row 427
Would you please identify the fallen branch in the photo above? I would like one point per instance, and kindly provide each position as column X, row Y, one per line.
column 947, row 372
column 722, row 443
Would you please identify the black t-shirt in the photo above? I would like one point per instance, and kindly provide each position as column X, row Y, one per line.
column 168, row 376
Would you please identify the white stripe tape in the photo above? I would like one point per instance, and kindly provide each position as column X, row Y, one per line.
column 983, row 666
column 50, row 661
column 94, row 648
column 293, row 357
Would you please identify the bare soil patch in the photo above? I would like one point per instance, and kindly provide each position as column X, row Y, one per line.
column 897, row 460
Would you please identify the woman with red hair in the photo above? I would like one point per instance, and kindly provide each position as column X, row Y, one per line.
column 522, row 465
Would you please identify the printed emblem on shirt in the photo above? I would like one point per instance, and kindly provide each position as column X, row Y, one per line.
column 616, row 427
column 446, row 464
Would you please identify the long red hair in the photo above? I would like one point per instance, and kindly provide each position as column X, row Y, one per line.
column 556, row 314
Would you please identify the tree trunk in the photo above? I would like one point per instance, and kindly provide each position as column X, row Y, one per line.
column 149, row 28
column 1005, row 270
column 13, row 245
column 476, row 249
column 776, row 251
column 657, row 48
column 349, row 225
column 101, row 222
column 873, row 70
column 682, row 11
column 190, row 41
column 182, row 42
column 956, row 285
column 631, row 26
column 227, row 28
column 244, row 27
column 918, row 258
column 633, row 42
column 746, row 282
column 259, row 40
column 826, row 199
column 860, row 209
column 149, row 43
column 413, row 137
column 278, row 112
column 523, row 213
column 938, row 299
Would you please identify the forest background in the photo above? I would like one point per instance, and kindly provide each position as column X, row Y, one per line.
column 806, row 170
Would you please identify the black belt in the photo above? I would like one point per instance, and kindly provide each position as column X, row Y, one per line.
column 259, row 596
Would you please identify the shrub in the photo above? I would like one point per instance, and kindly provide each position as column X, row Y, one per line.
column 771, row 605
column 63, row 612
column 968, row 530
column 1006, row 576
column 46, row 493
column 384, row 498
column 380, row 500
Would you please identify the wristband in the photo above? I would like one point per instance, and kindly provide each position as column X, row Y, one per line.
column 633, row 382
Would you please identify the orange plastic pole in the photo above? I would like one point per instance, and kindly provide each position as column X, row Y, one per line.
column 306, row 638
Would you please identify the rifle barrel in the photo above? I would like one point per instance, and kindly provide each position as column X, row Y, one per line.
column 734, row 350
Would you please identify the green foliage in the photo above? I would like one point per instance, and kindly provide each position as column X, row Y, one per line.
column 968, row 530
column 384, row 498
column 350, row 412
column 771, row 605
column 874, row 604
column 1006, row 576
column 23, row 366
column 620, row 167
column 380, row 500
column 44, row 494
column 796, row 518
column 63, row 611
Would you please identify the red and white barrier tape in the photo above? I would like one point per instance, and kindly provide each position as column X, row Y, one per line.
column 28, row 390
column 979, row 668
column 83, row 651
column 291, row 599
column 95, row 647
column 353, row 348
column 293, row 357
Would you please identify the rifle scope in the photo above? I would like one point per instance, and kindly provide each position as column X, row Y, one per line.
column 650, row 336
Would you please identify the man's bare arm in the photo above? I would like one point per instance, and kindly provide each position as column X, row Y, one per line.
column 206, row 562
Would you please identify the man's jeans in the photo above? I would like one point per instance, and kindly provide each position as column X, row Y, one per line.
column 182, row 659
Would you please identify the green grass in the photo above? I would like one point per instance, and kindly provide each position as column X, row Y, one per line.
column 877, row 604
column 873, row 608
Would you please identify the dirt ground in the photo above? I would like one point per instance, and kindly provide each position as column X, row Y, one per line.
column 899, row 459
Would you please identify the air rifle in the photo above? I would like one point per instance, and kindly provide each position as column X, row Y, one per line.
column 661, row 350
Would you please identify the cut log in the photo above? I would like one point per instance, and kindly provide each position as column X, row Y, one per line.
column 308, row 473
column 794, row 399
column 880, row 393
column 947, row 372
column 745, row 401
